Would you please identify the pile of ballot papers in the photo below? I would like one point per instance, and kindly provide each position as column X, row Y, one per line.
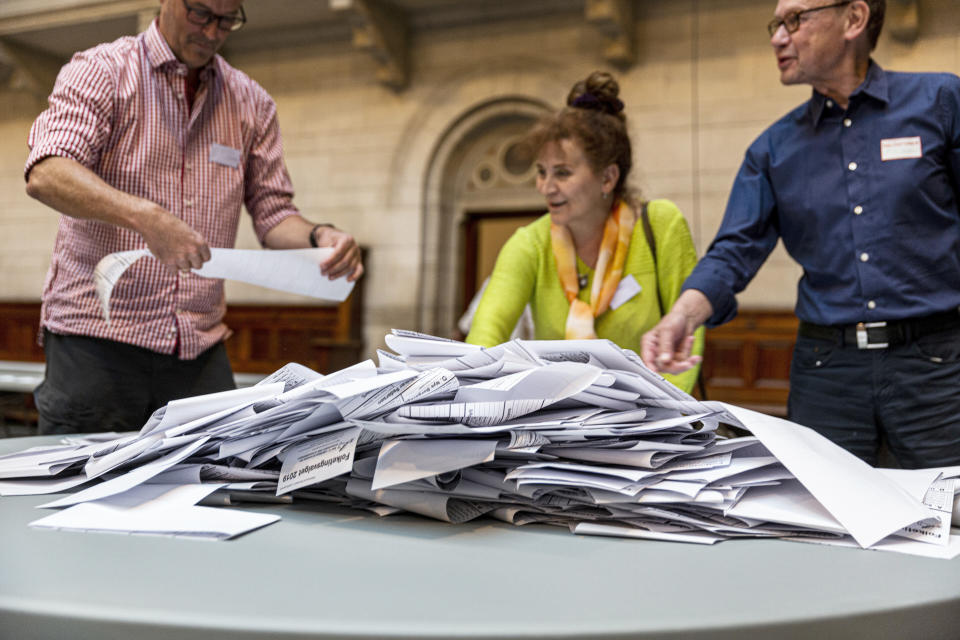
column 578, row 434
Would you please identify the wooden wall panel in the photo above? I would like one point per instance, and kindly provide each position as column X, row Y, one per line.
column 323, row 338
column 265, row 338
column 19, row 326
column 747, row 361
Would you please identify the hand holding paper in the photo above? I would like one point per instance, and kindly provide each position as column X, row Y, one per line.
column 292, row 270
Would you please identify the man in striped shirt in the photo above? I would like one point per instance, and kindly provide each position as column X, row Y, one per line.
column 155, row 141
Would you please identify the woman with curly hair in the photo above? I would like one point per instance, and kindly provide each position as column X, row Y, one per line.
column 601, row 263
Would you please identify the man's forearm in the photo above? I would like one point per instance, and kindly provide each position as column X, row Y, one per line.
column 74, row 190
column 70, row 188
column 694, row 306
column 293, row 232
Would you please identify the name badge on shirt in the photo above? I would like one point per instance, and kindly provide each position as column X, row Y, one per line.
column 627, row 288
column 226, row 156
column 900, row 148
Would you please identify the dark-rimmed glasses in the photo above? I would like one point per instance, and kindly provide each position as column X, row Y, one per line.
column 792, row 20
column 202, row 17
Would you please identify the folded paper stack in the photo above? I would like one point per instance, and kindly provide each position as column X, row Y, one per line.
column 578, row 434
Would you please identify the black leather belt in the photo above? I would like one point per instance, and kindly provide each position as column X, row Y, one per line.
column 880, row 335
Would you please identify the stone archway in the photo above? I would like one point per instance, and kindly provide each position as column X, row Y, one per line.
column 471, row 167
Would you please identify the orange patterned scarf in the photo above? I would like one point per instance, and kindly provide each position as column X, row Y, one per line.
column 606, row 278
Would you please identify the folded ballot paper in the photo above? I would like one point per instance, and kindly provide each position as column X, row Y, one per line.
column 290, row 270
column 578, row 434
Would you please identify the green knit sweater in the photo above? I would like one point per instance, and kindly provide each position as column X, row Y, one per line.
column 526, row 272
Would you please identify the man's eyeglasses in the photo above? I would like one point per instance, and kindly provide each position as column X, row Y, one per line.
column 792, row 20
column 202, row 17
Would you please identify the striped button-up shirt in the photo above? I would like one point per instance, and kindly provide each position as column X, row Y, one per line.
column 120, row 109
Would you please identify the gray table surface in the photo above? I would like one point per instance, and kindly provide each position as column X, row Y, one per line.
column 323, row 572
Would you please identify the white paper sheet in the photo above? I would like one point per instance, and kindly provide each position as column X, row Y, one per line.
column 40, row 486
column 419, row 345
column 291, row 270
column 405, row 460
column 432, row 505
column 496, row 401
column 108, row 272
column 128, row 480
column 622, row 531
column 938, row 500
column 788, row 503
column 158, row 509
column 213, row 405
column 865, row 501
column 900, row 545
column 318, row 459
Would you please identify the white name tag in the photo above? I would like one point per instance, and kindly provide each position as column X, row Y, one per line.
column 900, row 148
column 627, row 288
column 227, row 156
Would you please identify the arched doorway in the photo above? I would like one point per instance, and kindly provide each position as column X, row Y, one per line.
column 479, row 187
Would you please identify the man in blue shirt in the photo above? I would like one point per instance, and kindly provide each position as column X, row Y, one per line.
column 862, row 184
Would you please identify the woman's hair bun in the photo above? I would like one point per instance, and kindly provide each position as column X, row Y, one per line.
column 598, row 92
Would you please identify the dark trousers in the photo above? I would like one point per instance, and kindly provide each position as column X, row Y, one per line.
column 95, row 385
column 906, row 395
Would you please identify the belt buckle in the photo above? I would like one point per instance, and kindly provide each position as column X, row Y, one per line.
column 863, row 340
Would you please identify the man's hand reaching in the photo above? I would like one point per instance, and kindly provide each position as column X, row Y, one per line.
column 666, row 347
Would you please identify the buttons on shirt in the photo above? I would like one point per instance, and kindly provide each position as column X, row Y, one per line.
column 871, row 305
column 847, row 122
column 864, row 256
column 857, row 210
column 852, row 166
column 188, row 202
column 829, row 104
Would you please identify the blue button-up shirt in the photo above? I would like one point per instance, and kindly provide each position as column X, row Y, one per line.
column 864, row 199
